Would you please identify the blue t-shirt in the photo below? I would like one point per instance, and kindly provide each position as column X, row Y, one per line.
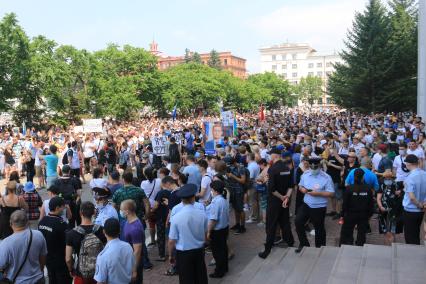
column 51, row 165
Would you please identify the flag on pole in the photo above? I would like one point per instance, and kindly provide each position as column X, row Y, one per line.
column 261, row 113
column 235, row 126
column 174, row 113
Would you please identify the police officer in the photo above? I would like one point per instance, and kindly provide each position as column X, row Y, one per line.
column 414, row 201
column 187, row 233
column 104, row 209
column 218, row 227
column 317, row 187
column 280, row 186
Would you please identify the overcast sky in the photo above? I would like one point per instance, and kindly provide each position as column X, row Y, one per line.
column 239, row 26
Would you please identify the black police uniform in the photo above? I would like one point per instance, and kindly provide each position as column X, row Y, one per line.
column 358, row 206
column 280, row 180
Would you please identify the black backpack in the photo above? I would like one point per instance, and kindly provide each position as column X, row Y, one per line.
column 66, row 189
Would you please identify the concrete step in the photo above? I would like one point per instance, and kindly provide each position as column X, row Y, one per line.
column 321, row 270
column 303, row 266
column 346, row 266
column 376, row 265
column 270, row 269
column 250, row 270
column 408, row 264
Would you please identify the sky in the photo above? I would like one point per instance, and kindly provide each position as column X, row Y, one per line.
column 239, row 26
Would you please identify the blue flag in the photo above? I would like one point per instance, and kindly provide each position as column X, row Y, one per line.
column 174, row 113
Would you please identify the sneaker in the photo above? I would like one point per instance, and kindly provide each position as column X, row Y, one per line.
column 250, row 221
column 261, row 225
column 235, row 227
column 312, row 233
column 148, row 267
column 212, row 262
column 278, row 240
column 150, row 245
column 246, row 207
column 307, row 228
column 240, row 231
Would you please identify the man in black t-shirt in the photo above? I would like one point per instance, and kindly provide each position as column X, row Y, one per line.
column 334, row 168
column 161, row 211
column 69, row 188
column 74, row 239
column 53, row 228
column 111, row 157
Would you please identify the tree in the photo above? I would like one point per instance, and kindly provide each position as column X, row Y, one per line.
column 214, row 60
column 359, row 82
column 187, row 55
column 278, row 89
column 196, row 58
column 310, row 89
column 401, row 90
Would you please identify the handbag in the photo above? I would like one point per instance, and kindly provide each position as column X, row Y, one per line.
column 5, row 280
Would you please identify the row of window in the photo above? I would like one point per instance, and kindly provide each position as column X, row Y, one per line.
column 283, row 57
column 294, row 66
column 294, row 74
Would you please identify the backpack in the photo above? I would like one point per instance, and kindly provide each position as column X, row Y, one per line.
column 90, row 248
column 66, row 189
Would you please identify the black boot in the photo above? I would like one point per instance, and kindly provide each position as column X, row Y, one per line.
column 264, row 254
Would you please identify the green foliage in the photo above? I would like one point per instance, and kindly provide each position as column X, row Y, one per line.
column 196, row 58
column 309, row 89
column 278, row 89
column 380, row 60
column 214, row 60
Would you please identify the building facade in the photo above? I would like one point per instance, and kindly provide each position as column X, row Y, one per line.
column 293, row 61
column 236, row 65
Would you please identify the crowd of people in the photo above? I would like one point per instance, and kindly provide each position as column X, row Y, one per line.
column 353, row 165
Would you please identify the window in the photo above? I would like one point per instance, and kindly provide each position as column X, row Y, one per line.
column 329, row 101
column 320, row 101
column 294, row 66
column 274, row 67
column 310, row 73
column 328, row 73
column 225, row 61
column 285, row 75
column 294, row 56
column 284, row 66
column 294, row 75
column 311, row 65
column 329, row 64
column 319, row 73
column 319, row 65
column 274, row 57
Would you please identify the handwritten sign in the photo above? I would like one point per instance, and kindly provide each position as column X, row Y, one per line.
column 92, row 125
column 159, row 145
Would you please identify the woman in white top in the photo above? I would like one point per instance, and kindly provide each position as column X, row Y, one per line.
column 98, row 179
column 151, row 186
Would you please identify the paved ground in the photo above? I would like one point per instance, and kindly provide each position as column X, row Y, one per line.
column 245, row 246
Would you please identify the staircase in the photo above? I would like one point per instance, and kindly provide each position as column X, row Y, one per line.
column 371, row 264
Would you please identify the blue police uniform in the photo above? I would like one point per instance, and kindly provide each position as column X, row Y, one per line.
column 313, row 207
column 104, row 213
column 188, row 228
column 114, row 263
column 415, row 183
column 218, row 211
column 369, row 178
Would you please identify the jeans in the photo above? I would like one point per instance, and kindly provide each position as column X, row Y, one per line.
column 50, row 181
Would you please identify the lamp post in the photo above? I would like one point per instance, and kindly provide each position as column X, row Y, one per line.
column 421, row 67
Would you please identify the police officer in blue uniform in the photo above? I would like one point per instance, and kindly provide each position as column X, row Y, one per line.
column 187, row 233
column 104, row 209
column 317, row 187
column 218, row 228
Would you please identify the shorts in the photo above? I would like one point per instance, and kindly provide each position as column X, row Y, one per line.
column 75, row 173
column 338, row 191
column 237, row 200
column 38, row 171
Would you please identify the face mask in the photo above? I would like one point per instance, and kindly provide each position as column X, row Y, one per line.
column 387, row 182
column 123, row 214
column 315, row 172
column 402, row 152
column 100, row 206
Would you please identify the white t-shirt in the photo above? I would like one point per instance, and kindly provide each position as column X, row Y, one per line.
column 419, row 153
column 376, row 160
column 205, row 183
column 88, row 149
column 151, row 189
column 397, row 164
column 98, row 182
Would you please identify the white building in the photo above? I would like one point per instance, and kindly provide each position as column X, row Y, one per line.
column 292, row 61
